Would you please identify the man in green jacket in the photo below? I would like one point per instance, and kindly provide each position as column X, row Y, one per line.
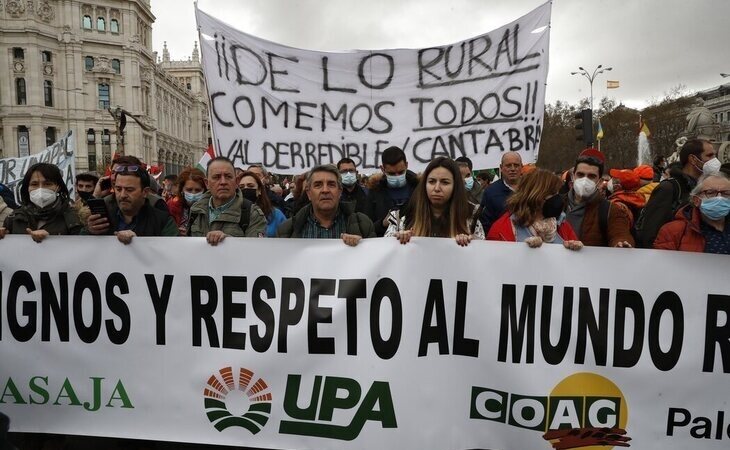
column 325, row 217
column 223, row 211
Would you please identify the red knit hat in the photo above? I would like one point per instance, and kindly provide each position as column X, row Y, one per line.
column 593, row 153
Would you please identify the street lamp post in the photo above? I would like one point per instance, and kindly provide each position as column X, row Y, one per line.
column 591, row 76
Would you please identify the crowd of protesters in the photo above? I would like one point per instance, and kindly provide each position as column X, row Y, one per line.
column 683, row 206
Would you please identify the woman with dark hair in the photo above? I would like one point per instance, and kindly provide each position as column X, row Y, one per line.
column 535, row 214
column 438, row 207
column 253, row 189
column 190, row 189
column 45, row 206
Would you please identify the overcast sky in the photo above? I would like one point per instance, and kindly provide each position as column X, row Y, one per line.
column 652, row 45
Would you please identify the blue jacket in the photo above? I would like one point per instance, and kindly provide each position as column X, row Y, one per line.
column 494, row 203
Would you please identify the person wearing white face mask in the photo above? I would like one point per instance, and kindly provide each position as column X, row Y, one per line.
column 697, row 156
column 701, row 226
column 596, row 221
column 352, row 191
column 45, row 206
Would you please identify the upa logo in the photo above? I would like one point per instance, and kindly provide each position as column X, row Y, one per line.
column 241, row 401
column 337, row 408
column 584, row 410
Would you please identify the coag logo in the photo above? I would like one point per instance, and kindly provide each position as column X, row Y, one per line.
column 584, row 410
column 243, row 401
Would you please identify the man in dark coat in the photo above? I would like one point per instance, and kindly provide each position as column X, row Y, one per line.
column 394, row 189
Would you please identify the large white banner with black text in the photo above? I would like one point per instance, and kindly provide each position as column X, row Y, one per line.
column 300, row 344
column 291, row 109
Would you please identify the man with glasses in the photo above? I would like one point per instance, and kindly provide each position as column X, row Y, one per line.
column 129, row 212
column 701, row 226
column 352, row 192
column 673, row 193
column 105, row 185
column 494, row 198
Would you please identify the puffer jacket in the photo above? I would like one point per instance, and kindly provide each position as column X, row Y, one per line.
column 683, row 233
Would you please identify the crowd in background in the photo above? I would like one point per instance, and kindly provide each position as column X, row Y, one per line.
column 683, row 206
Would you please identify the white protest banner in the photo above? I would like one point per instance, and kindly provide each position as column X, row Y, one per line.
column 291, row 109
column 61, row 153
column 315, row 345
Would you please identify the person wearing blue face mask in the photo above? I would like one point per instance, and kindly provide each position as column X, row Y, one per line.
column 474, row 190
column 701, row 226
column 393, row 191
column 352, row 192
column 190, row 189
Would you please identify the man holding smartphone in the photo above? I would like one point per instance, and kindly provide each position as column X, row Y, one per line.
column 128, row 211
column 105, row 186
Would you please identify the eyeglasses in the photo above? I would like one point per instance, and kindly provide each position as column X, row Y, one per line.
column 344, row 171
column 709, row 193
column 126, row 169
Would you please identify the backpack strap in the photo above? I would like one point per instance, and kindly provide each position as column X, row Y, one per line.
column 604, row 209
column 245, row 215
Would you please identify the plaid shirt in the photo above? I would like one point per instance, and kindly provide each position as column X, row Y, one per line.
column 314, row 230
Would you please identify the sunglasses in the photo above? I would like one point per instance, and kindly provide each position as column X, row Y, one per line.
column 127, row 169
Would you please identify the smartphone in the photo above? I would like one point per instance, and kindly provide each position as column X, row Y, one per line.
column 97, row 206
column 106, row 184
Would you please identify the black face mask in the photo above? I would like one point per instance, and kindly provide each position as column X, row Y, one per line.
column 249, row 194
column 553, row 207
column 85, row 195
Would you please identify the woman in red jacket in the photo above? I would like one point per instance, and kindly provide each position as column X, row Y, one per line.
column 535, row 214
column 190, row 188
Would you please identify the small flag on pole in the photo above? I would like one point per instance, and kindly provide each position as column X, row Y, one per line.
column 207, row 156
column 611, row 84
column 644, row 129
column 599, row 135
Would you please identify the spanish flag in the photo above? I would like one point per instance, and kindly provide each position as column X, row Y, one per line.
column 611, row 84
column 644, row 129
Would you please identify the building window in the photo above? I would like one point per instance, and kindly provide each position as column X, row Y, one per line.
column 106, row 149
column 23, row 141
column 89, row 63
column 189, row 86
column 48, row 93
column 50, row 136
column 87, row 22
column 101, row 24
column 18, row 53
column 114, row 26
column 20, row 91
column 104, row 100
column 46, row 56
column 116, row 66
column 91, row 148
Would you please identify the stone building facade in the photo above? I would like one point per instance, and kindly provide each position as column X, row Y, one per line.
column 64, row 63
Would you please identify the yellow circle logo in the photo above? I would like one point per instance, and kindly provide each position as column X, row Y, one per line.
column 587, row 411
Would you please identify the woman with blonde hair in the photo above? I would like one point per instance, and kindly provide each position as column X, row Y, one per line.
column 535, row 214
column 438, row 207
